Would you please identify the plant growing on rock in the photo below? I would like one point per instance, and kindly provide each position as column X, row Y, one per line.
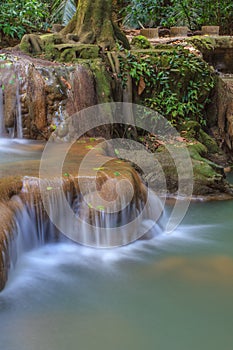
column 173, row 82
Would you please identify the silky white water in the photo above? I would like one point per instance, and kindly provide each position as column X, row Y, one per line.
column 166, row 292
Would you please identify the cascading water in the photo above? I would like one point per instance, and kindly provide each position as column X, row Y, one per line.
column 10, row 100
column 19, row 125
column 33, row 227
column 2, row 124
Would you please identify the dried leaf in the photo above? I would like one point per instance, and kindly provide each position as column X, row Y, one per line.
column 67, row 84
column 141, row 86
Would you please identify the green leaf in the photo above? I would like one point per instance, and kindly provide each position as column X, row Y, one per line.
column 100, row 168
column 89, row 147
column 49, row 188
column 81, row 141
column 66, row 174
column 116, row 151
column 100, row 207
column 116, row 173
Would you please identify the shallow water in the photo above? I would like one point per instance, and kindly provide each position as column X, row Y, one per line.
column 13, row 150
column 172, row 291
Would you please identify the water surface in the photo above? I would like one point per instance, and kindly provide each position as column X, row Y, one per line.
column 169, row 292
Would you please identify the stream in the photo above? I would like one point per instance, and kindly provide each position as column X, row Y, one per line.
column 168, row 292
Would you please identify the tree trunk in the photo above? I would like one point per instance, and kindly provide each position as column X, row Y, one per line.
column 93, row 24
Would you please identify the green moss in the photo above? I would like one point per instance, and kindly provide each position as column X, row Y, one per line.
column 102, row 80
column 203, row 171
column 50, row 52
column 141, row 42
column 208, row 141
column 203, row 43
column 197, row 150
column 25, row 47
column 192, row 131
column 72, row 52
column 55, row 39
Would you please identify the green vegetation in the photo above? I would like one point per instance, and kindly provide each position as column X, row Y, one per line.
column 193, row 13
column 19, row 17
column 173, row 82
column 26, row 16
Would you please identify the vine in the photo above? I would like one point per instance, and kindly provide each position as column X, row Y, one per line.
column 174, row 82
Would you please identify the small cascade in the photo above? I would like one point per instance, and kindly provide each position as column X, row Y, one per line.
column 19, row 125
column 55, row 210
column 38, row 96
column 107, row 217
column 2, row 124
column 10, row 100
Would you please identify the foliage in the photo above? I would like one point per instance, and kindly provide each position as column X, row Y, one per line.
column 174, row 82
column 63, row 10
column 193, row 13
column 18, row 17
column 144, row 12
column 196, row 13
column 141, row 42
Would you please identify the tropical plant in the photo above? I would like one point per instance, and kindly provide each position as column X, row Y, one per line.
column 146, row 13
column 175, row 82
column 19, row 17
column 63, row 10
column 193, row 13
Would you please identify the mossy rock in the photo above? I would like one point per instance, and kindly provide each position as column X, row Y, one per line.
column 197, row 150
column 72, row 52
column 31, row 44
column 203, row 43
column 55, row 39
column 141, row 42
column 102, row 80
column 192, row 130
column 208, row 141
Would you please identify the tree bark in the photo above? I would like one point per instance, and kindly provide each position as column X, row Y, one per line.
column 93, row 24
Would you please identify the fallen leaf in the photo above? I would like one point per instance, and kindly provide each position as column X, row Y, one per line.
column 67, row 84
column 141, row 86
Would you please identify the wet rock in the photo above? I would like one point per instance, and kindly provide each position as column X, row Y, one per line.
column 42, row 93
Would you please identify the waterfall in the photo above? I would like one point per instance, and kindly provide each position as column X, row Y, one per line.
column 10, row 100
column 2, row 124
column 120, row 224
column 19, row 126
